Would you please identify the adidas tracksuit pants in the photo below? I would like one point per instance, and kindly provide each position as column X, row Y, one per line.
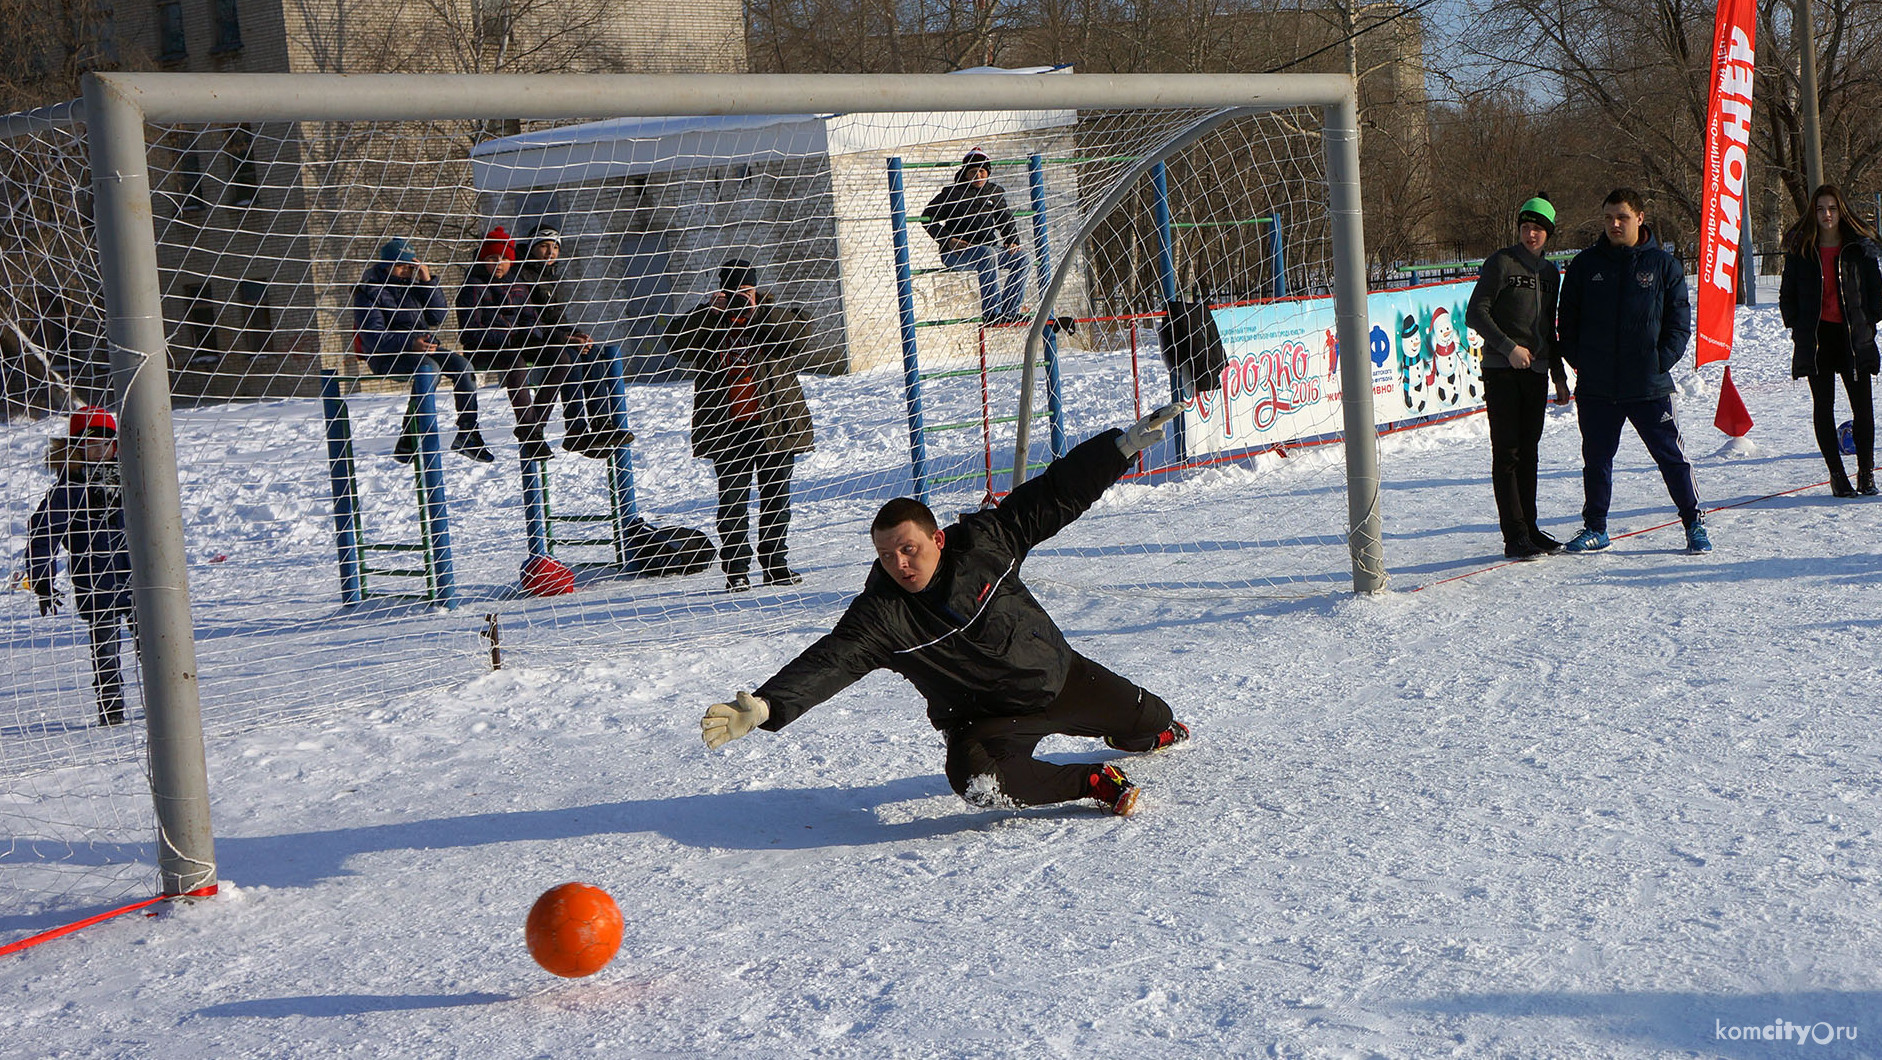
column 1653, row 420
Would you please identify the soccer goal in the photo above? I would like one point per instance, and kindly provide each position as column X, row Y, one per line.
column 379, row 346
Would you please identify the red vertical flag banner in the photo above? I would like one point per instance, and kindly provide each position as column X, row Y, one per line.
column 1728, row 142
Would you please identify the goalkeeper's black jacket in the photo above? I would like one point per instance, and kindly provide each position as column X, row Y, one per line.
column 974, row 643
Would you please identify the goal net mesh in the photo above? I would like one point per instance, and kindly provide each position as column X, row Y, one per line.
column 305, row 266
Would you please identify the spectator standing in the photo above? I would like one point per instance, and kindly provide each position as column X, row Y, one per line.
column 396, row 307
column 974, row 227
column 1830, row 298
column 1513, row 309
column 83, row 515
column 1623, row 323
column 749, row 414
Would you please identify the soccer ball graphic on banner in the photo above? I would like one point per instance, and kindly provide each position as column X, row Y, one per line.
column 573, row 930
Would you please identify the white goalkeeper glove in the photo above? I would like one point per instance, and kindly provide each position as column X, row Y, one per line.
column 725, row 722
column 1146, row 432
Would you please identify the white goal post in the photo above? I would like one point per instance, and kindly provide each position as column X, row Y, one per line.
column 117, row 106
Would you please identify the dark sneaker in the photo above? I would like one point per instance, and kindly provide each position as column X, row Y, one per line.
column 406, row 447
column 783, row 576
column 738, row 582
column 1588, row 541
column 1543, row 541
column 111, row 715
column 471, row 444
column 1523, row 548
column 600, row 443
column 1840, row 487
column 1163, row 741
column 532, row 446
column 1113, row 789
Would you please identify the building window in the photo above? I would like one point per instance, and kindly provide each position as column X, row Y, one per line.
column 202, row 339
column 171, row 44
column 228, row 27
column 255, row 319
column 189, row 182
column 243, row 176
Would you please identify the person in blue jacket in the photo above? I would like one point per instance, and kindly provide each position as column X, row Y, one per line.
column 396, row 305
column 1623, row 322
column 83, row 515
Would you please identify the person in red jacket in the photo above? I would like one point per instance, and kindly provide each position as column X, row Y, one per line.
column 1830, row 298
column 947, row 610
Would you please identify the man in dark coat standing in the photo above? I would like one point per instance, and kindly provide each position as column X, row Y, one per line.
column 1624, row 321
column 1513, row 308
column 947, row 610
column 974, row 228
column 749, row 414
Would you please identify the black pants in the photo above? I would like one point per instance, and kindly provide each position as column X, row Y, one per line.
column 1601, row 423
column 1515, row 401
column 107, row 675
column 736, row 471
column 990, row 762
column 1834, row 360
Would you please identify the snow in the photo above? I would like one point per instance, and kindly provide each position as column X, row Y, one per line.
column 1620, row 805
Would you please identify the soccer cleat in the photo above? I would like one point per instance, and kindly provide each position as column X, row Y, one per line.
column 1163, row 741
column 1698, row 541
column 1110, row 786
column 1588, row 541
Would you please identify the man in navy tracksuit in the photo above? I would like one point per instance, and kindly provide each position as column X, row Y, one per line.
column 1623, row 323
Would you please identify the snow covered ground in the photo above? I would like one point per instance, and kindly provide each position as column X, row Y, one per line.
column 1623, row 805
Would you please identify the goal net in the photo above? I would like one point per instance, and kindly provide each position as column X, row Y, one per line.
column 406, row 356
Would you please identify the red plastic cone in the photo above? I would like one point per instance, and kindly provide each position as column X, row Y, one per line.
column 1732, row 417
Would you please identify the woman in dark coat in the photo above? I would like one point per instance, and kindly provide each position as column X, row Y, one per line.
column 1831, row 297
column 749, row 415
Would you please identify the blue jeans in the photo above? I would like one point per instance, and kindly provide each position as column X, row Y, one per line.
column 1601, row 423
column 1002, row 277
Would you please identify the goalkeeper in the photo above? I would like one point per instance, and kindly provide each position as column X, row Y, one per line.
column 946, row 609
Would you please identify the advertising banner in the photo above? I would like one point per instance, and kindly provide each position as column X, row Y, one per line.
column 1728, row 138
column 1282, row 383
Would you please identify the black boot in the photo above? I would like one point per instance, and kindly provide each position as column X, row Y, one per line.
column 1865, row 482
column 1839, row 483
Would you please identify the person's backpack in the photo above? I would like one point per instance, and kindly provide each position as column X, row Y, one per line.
column 1192, row 346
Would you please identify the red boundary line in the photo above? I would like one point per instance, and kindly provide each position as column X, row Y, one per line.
column 1620, row 537
column 59, row 932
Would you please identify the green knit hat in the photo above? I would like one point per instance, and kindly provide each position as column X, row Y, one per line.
column 1541, row 211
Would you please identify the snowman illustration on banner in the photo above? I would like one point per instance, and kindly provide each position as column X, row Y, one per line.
column 1459, row 374
column 1417, row 372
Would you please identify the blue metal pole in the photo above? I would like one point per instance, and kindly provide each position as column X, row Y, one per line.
column 621, row 501
column 340, row 476
column 905, row 309
column 1042, row 258
column 1166, row 279
column 434, row 516
column 1278, row 248
column 536, row 508
column 1166, row 236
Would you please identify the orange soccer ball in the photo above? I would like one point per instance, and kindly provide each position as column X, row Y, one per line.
column 573, row 930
